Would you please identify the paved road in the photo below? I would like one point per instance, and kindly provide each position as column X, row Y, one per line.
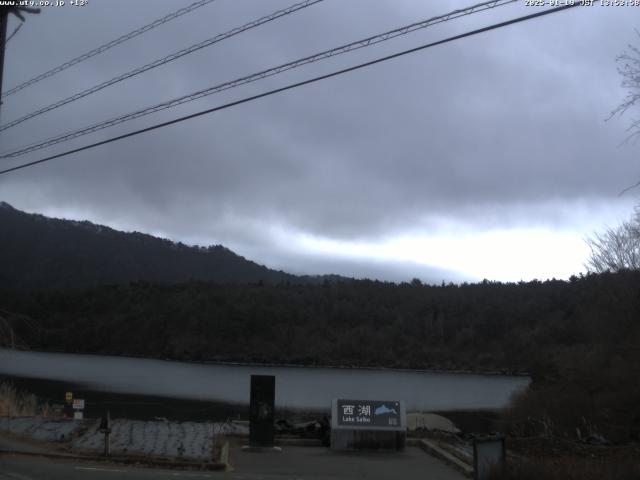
column 293, row 463
column 30, row 468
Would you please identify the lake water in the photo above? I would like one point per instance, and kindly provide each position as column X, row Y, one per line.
column 297, row 388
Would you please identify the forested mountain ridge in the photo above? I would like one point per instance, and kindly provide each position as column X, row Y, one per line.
column 483, row 326
column 578, row 338
column 37, row 252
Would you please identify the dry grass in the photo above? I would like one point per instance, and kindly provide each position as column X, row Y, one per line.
column 17, row 403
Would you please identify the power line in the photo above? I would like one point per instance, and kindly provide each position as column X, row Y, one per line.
column 294, row 85
column 258, row 76
column 10, row 8
column 107, row 46
column 169, row 58
column 15, row 30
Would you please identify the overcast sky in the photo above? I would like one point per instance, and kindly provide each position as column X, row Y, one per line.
column 488, row 157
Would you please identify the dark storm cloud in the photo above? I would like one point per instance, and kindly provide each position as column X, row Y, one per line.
column 488, row 124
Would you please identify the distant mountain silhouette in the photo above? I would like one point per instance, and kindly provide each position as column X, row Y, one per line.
column 37, row 252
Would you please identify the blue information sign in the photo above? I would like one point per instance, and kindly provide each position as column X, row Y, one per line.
column 369, row 413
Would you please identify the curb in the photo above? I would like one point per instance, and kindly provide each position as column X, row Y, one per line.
column 433, row 449
column 280, row 441
column 298, row 442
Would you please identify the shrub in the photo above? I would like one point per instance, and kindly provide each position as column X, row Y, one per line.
column 17, row 403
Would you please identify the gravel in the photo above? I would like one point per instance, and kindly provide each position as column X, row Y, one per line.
column 188, row 440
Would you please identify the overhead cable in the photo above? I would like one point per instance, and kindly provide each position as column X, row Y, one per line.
column 293, row 85
column 162, row 61
column 15, row 30
column 382, row 37
column 107, row 46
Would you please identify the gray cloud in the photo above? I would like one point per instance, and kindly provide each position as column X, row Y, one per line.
column 477, row 131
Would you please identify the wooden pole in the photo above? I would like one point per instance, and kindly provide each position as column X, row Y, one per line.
column 4, row 16
column 107, row 433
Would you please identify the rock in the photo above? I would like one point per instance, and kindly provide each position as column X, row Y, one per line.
column 430, row 421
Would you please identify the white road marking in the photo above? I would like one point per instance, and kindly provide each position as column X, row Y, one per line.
column 166, row 474
column 100, row 469
column 177, row 474
column 16, row 476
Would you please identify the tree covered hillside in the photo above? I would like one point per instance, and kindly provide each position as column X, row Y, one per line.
column 578, row 339
column 38, row 252
column 488, row 325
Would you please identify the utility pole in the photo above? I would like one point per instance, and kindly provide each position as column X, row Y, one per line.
column 4, row 19
column 105, row 427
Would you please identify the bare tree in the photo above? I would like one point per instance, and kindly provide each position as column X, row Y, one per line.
column 617, row 248
column 8, row 323
column 7, row 336
column 629, row 70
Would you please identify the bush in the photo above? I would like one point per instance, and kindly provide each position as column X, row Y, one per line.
column 17, row 403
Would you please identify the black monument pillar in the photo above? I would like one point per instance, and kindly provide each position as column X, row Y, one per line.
column 261, row 415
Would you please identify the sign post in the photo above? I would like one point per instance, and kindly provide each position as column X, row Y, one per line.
column 105, row 427
column 68, row 404
column 368, row 424
column 261, row 410
column 488, row 457
column 78, row 407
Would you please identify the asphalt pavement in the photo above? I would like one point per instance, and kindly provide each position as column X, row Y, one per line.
column 292, row 463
